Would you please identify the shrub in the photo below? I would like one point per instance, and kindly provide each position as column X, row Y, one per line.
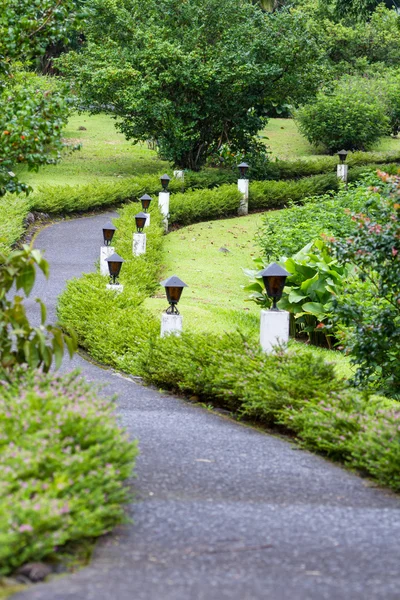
column 235, row 373
column 347, row 117
column 13, row 212
column 370, row 307
column 284, row 232
column 63, row 464
column 20, row 342
column 201, row 205
column 277, row 194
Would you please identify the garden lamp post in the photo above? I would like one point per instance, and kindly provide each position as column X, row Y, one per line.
column 342, row 168
column 274, row 323
column 146, row 201
column 114, row 268
column 106, row 250
column 163, row 200
column 171, row 321
column 139, row 238
column 243, row 187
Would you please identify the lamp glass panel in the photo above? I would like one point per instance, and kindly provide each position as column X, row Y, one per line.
column 173, row 294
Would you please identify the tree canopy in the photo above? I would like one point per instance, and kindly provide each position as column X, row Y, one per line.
column 33, row 110
column 192, row 75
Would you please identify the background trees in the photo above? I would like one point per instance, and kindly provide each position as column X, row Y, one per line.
column 192, row 75
column 33, row 110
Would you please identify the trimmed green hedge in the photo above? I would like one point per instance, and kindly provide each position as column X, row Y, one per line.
column 13, row 211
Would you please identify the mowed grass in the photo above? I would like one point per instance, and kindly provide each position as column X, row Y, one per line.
column 209, row 257
column 105, row 154
column 286, row 142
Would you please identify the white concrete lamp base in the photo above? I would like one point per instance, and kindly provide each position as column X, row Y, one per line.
column 171, row 324
column 139, row 244
column 115, row 287
column 243, row 187
column 274, row 329
column 105, row 252
column 342, row 172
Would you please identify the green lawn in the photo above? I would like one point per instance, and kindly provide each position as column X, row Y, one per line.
column 105, row 155
column 286, row 142
column 209, row 257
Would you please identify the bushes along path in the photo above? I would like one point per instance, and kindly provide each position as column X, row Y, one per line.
column 222, row 511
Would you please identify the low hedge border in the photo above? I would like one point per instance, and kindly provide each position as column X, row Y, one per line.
column 296, row 389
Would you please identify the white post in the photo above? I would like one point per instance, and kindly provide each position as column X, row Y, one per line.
column 105, row 252
column 139, row 244
column 147, row 223
column 342, row 171
column 274, row 329
column 179, row 174
column 163, row 203
column 115, row 287
column 171, row 324
column 243, row 187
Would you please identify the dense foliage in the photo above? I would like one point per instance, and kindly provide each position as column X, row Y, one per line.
column 33, row 110
column 63, row 466
column 346, row 117
column 285, row 232
column 20, row 342
column 370, row 305
column 192, row 75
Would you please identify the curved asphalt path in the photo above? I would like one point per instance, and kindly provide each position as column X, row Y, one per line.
column 222, row 511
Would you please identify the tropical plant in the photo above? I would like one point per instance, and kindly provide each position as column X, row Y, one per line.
column 315, row 277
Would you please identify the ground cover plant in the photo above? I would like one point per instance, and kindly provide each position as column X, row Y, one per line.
column 64, row 462
column 63, row 459
column 285, row 232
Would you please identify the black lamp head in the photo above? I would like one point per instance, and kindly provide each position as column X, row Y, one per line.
column 108, row 233
column 342, row 154
column 165, row 181
column 173, row 289
column 243, row 168
column 140, row 219
column 145, row 200
column 114, row 266
column 274, row 278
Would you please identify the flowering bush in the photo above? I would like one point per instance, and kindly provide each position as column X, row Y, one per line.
column 63, row 464
column 369, row 307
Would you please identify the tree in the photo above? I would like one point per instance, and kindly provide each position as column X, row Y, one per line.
column 33, row 110
column 192, row 75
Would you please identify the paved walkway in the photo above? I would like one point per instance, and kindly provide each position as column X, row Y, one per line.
column 222, row 511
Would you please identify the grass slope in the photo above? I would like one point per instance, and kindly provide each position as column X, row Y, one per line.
column 209, row 257
column 105, row 154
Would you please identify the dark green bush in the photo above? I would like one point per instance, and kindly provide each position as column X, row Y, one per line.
column 348, row 117
column 64, row 462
